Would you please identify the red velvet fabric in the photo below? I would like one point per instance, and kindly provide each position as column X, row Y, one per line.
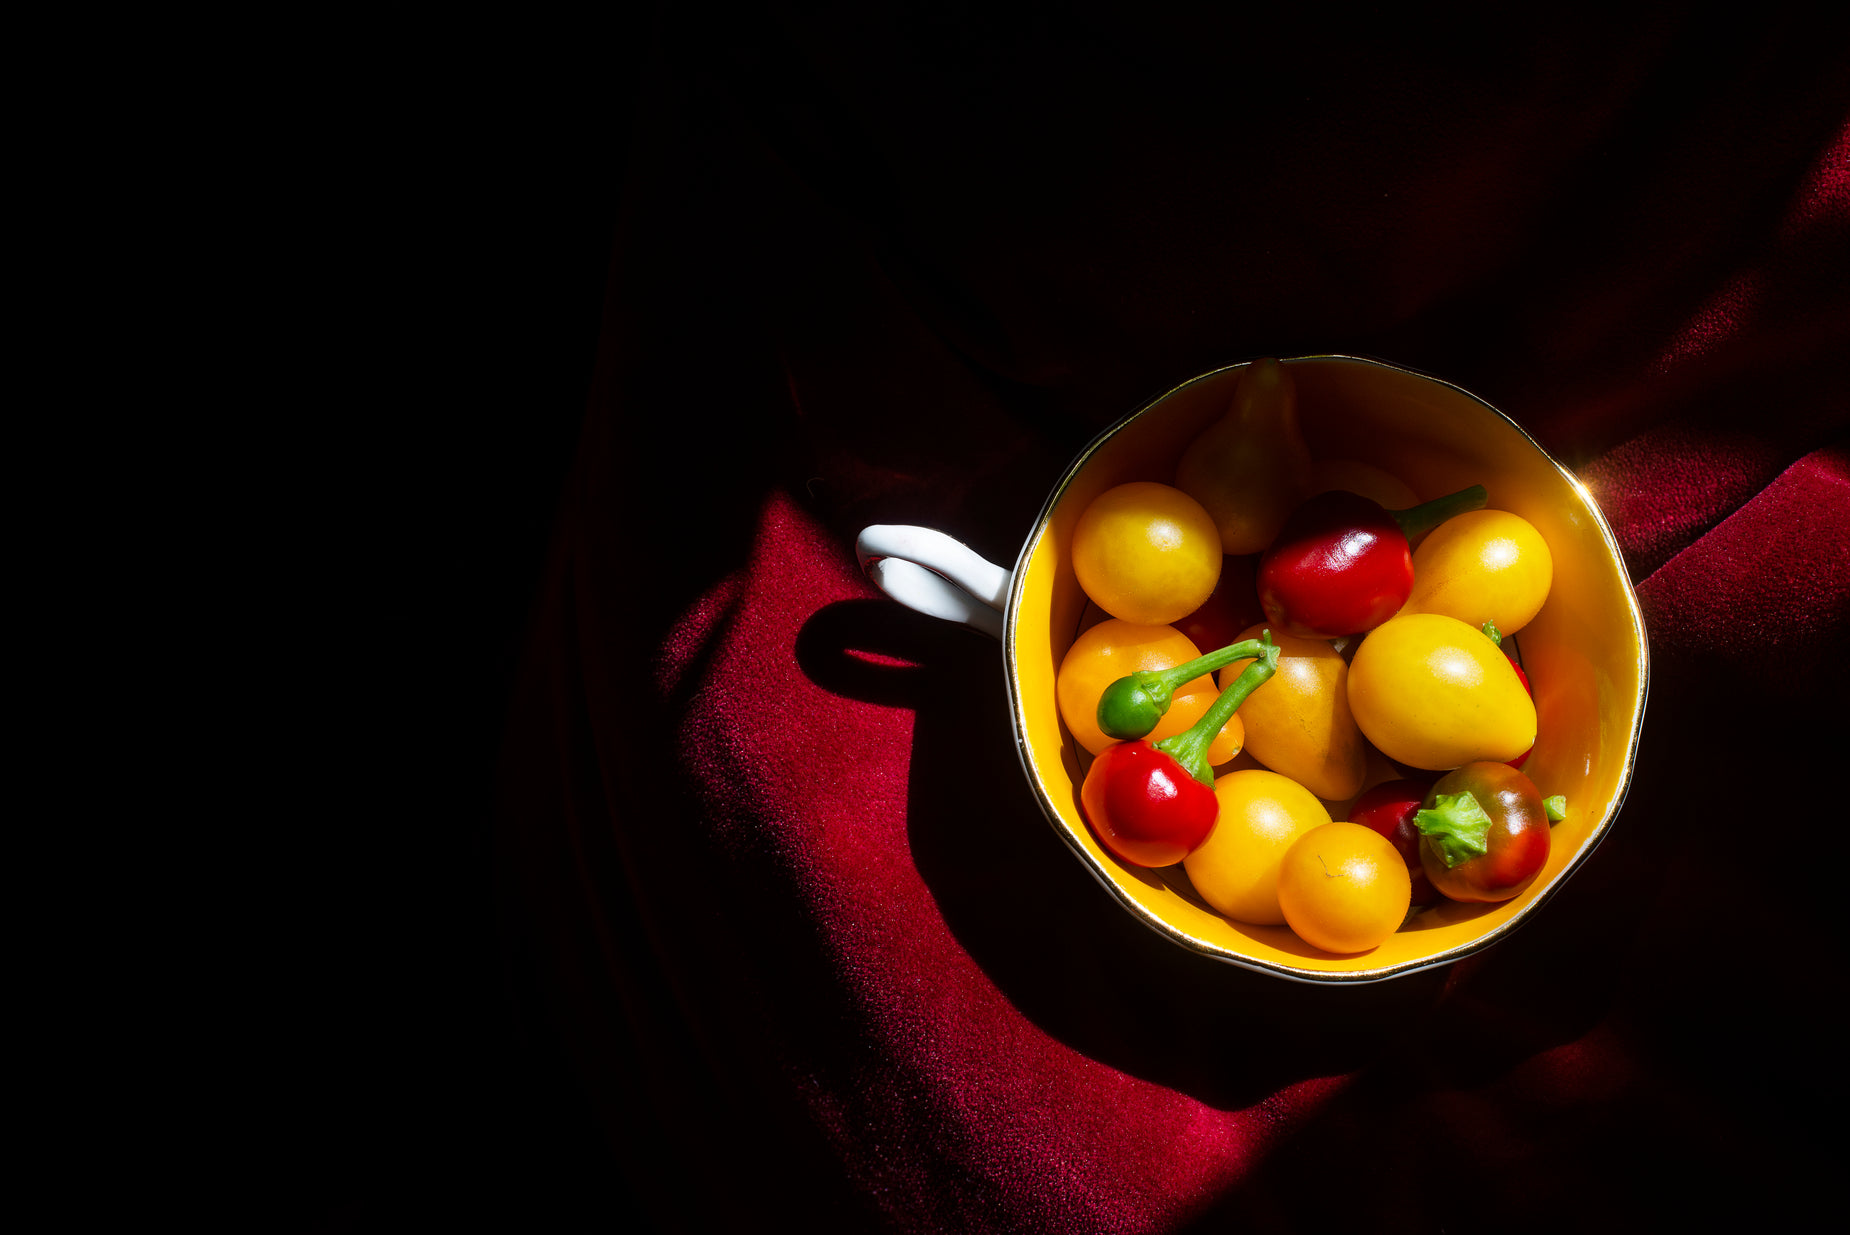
column 816, row 953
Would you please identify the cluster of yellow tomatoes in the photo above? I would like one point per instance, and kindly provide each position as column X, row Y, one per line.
column 1428, row 688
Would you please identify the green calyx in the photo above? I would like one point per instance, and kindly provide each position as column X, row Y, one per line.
column 1190, row 747
column 1416, row 520
column 1131, row 706
column 1556, row 807
column 1457, row 826
column 1493, row 634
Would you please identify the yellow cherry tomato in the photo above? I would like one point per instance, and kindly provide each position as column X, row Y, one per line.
column 1113, row 649
column 1482, row 566
column 1298, row 723
column 1261, row 815
column 1344, row 887
column 1434, row 693
column 1146, row 553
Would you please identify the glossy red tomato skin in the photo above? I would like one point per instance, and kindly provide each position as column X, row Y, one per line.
column 1389, row 809
column 1522, row 677
column 1340, row 566
column 1519, row 836
column 1145, row 807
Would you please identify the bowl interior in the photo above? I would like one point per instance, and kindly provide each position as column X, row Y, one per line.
column 1585, row 651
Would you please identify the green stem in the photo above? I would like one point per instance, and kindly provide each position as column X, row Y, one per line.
column 1429, row 515
column 1457, row 826
column 1190, row 747
column 1131, row 706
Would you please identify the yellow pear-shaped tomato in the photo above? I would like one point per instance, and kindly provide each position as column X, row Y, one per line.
column 1114, row 649
column 1299, row 723
column 1482, row 566
column 1261, row 815
column 1434, row 693
column 1250, row 467
column 1146, row 553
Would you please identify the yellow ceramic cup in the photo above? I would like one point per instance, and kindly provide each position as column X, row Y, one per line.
column 1585, row 651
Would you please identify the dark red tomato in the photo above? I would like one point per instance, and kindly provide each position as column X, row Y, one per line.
column 1389, row 809
column 1340, row 566
column 1145, row 807
column 1522, row 677
column 1510, row 847
column 1229, row 609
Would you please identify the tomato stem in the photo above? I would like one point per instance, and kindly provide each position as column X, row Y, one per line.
column 1131, row 706
column 1416, row 520
column 1190, row 747
column 1457, row 826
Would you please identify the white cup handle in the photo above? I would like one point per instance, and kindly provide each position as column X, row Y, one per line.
column 929, row 572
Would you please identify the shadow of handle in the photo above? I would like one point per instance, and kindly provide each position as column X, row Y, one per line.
column 930, row 573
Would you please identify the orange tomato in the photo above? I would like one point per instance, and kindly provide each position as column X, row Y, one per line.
column 1113, row 649
column 1146, row 553
column 1343, row 887
column 1299, row 723
column 1482, row 566
column 1261, row 815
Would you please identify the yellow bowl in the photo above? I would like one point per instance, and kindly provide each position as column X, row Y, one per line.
column 1585, row 652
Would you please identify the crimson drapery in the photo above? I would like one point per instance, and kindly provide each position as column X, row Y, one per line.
column 813, row 948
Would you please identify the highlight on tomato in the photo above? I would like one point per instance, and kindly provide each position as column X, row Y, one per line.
column 1484, row 566
column 1434, row 693
column 1146, row 553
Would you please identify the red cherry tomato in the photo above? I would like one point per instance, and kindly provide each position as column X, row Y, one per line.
column 1522, row 677
column 1145, row 807
column 1340, row 566
column 1389, row 809
column 1510, row 851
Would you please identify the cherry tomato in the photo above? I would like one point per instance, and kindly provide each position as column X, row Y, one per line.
column 1343, row 564
column 1343, row 888
column 1523, row 677
column 1432, row 692
column 1484, row 566
column 1146, row 553
column 1340, row 566
column 1236, row 868
column 1113, row 649
column 1144, row 806
column 1389, row 808
column 1510, row 846
column 1299, row 724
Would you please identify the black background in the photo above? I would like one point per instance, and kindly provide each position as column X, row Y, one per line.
column 433, row 303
